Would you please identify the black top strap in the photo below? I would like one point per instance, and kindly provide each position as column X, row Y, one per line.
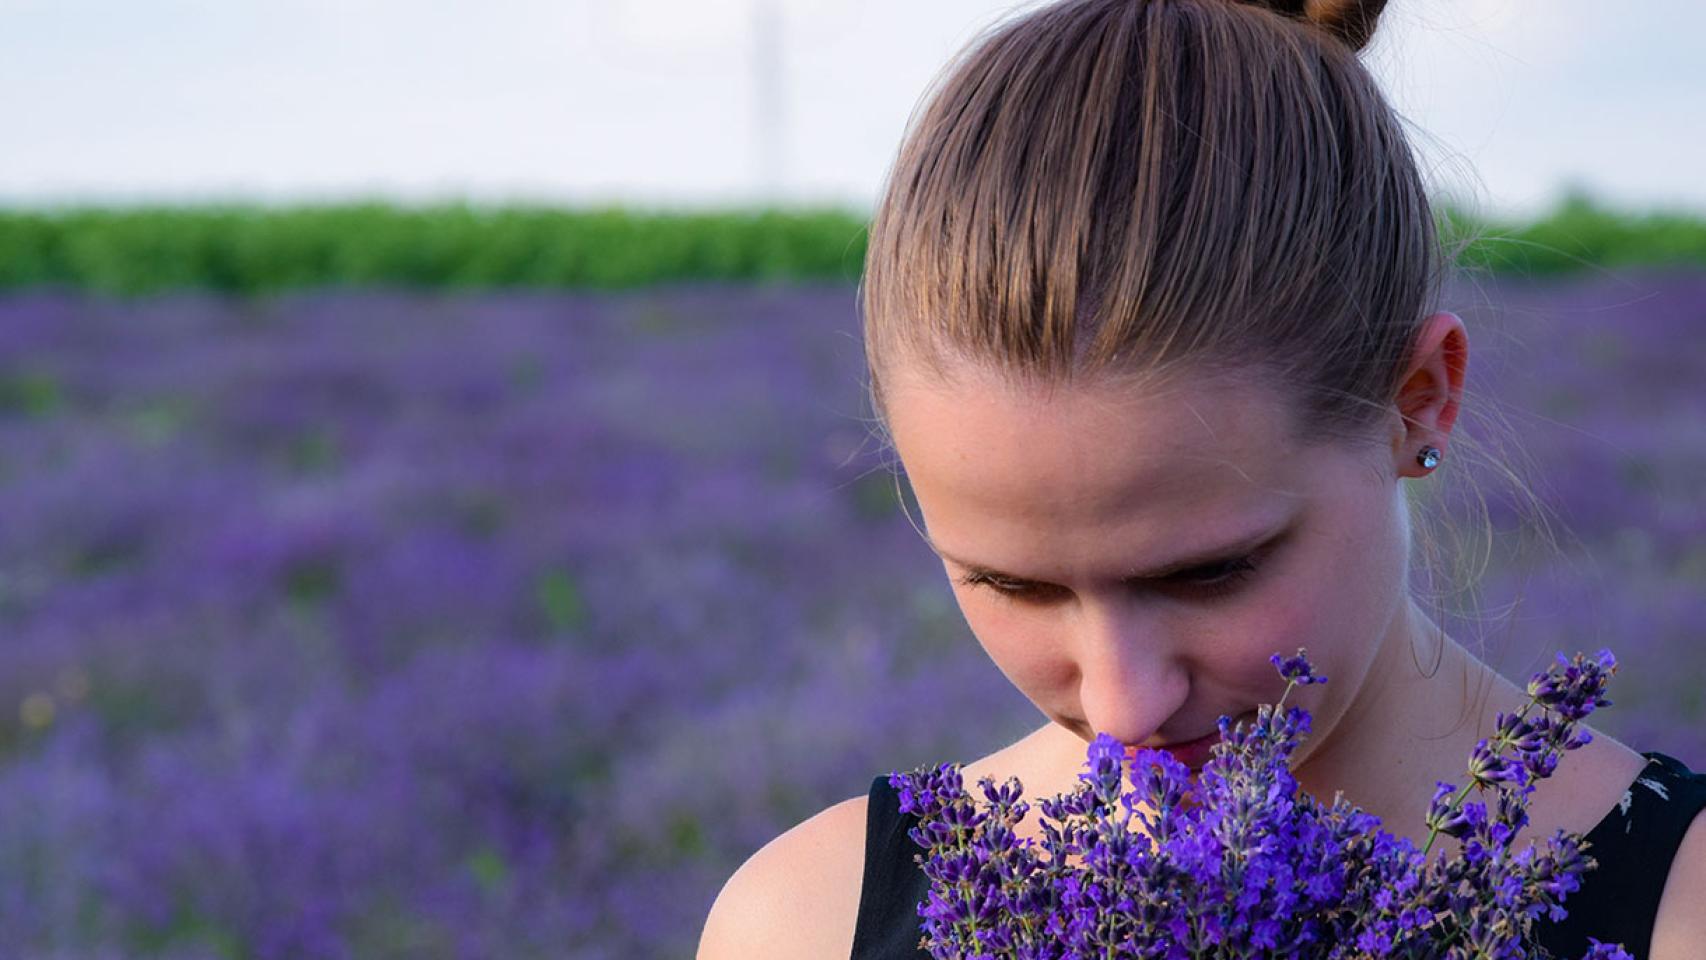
column 889, row 927
column 1635, row 845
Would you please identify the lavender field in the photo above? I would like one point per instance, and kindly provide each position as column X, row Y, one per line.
column 507, row 625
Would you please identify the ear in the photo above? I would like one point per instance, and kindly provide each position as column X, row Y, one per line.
column 1430, row 391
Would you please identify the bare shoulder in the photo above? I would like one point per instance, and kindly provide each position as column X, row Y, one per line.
column 798, row 896
column 1046, row 760
column 1680, row 928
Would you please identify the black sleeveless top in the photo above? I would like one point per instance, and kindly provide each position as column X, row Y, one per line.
column 1617, row 902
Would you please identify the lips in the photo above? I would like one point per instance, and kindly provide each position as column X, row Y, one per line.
column 1193, row 754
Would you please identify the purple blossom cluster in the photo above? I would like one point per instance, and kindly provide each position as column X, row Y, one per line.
column 368, row 624
column 1242, row 865
column 371, row 625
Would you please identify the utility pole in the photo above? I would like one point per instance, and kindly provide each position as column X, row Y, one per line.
column 767, row 87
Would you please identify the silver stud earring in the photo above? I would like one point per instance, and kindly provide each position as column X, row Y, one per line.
column 1428, row 458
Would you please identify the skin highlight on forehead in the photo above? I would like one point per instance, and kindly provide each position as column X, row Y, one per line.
column 1065, row 472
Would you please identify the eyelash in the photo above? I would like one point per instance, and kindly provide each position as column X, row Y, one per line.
column 1232, row 575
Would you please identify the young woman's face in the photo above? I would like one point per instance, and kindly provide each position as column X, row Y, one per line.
column 1062, row 519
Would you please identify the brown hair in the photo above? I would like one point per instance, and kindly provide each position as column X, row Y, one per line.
column 1124, row 188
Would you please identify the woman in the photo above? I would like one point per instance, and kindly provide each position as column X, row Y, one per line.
column 1149, row 316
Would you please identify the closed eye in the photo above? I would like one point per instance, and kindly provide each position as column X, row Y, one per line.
column 1212, row 580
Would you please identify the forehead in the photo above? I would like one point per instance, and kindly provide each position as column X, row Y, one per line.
column 1204, row 452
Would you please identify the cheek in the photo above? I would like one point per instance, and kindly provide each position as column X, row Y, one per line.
column 1022, row 644
column 1305, row 604
column 1290, row 623
column 1337, row 605
column 1243, row 636
column 1368, row 570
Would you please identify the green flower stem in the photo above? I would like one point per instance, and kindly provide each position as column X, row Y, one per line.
column 1498, row 745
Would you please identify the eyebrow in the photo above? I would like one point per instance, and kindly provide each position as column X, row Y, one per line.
column 1221, row 553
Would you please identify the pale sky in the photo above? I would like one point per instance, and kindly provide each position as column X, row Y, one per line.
column 657, row 102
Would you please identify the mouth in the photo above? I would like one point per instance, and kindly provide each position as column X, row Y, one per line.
column 1191, row 753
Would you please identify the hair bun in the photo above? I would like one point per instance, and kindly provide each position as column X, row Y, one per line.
column 1351, row 21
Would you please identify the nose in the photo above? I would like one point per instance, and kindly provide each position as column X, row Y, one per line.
column 1131, row 677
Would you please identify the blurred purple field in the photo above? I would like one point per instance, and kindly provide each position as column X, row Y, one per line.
column 382, row 625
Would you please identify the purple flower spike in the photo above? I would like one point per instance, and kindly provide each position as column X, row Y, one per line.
column 1487, row 768
column 1106, row 760
column 1296, row 668
column 1606, row 951
column 1579, row 689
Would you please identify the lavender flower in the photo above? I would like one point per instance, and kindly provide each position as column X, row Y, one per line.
column 1254, row 868
column 324, row 613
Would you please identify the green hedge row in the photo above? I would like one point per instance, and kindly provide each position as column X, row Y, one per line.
column 249, row 250
column 259, row 250
column 1580, row 235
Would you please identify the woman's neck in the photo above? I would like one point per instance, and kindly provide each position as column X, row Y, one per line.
column 1403, row 735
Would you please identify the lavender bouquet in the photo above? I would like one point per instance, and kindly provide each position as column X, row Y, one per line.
column 1245, row 866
